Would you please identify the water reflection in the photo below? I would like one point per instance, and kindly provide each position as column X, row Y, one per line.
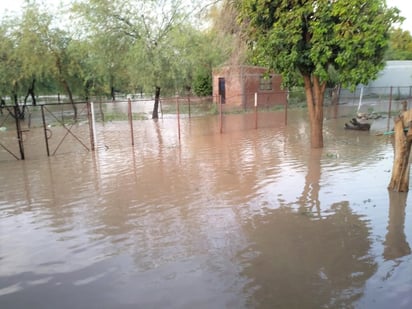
column 396, row 245
column 244, row 219
column 297, row 262
column 309, row 200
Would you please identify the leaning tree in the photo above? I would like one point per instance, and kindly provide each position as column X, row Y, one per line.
column 314, row 36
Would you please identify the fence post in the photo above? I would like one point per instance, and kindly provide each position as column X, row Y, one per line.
column 220, row 114
column 188, row 101
column 46, row 139
column 90, row 119
column 93, row 126
column 389, row 109
column 130, row 116
column 256, row 115
column 286, row 108
column 178, row 116
column 19, row 133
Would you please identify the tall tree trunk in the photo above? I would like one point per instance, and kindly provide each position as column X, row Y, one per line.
column 112, row 90
column 66, row 87
column 315, row 91
column 112, row 93
column 19, row 112
column 336, row 94
column 155, row 114
column 2, row 105
column 87, row 86
column 30, row 92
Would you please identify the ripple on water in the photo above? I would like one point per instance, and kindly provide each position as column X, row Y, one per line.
column 217, row 217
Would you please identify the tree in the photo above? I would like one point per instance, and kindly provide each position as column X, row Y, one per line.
column 29, row 34
column 400, row 45
column 9, row 65
column 310, row 37
column 38, row 52
column 155, row 59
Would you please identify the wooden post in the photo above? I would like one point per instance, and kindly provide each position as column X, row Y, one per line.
column 400, row 171
column 256, row 115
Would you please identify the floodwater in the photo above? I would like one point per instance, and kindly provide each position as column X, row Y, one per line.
column 244, row 219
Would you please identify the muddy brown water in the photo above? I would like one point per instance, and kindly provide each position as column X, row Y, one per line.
column 244, row 219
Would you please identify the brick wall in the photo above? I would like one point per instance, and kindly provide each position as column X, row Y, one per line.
column 241, row 84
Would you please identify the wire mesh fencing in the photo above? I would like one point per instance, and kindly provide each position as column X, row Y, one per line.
column 50, row 129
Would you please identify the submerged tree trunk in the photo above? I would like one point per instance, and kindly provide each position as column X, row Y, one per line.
column 19, row 112
column 30, row 92
column 336, row 94
column 155, row 114
column 112, row 93
column 314, row 91
column 66, row 87
column 400, row 170
column 87, row 86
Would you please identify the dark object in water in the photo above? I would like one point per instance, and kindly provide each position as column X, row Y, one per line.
column 356, row 125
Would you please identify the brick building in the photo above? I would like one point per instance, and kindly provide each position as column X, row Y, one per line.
column 236, row 86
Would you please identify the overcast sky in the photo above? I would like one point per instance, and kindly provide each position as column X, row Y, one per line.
column 404, row 5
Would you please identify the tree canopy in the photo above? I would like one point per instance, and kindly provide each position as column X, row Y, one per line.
column 400, row 45
column 109, row 47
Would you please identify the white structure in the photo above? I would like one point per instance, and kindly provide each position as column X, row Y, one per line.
column 396, row 74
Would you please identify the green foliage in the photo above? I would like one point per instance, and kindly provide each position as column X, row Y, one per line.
column 202, row 83
column 296, row 96
column 400, row 45
column 122, row 45
column 311, row 36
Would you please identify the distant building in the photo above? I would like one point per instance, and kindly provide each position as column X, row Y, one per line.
column 396, row 74
column 237, row 85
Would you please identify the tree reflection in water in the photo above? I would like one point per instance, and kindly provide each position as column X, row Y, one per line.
column 396, row 245
column 312, row 258
column 298, row 262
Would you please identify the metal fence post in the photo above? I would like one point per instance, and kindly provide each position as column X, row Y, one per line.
column 130, row 116
column 256, row 114
column 46, row 139
column 19, row 133
column 389, row 109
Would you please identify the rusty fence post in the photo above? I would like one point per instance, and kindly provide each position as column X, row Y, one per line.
column 220, row 114
column 178, row 116
column 188, row 101
column 256, row 114
column 90, row 119
column 46, row 139
column 130, row 116
column 389, row 109
column 19, row 132
column 286, row 108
